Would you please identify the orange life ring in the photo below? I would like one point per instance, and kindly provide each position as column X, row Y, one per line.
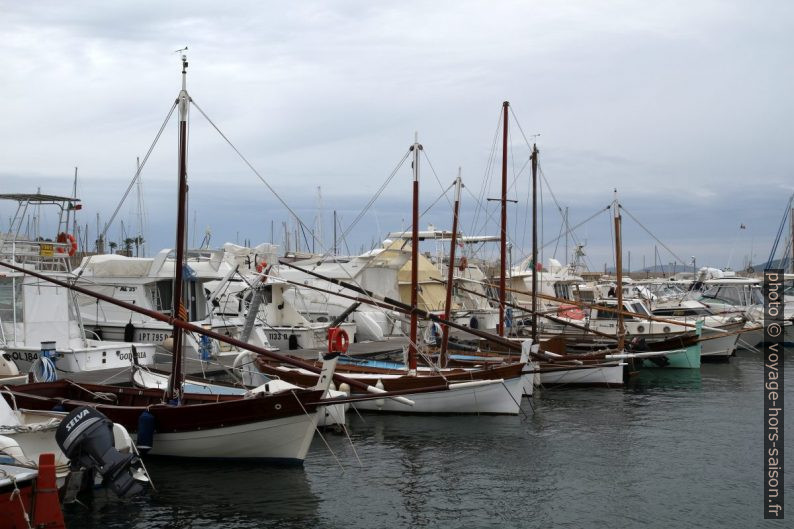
column 64, row 237
column 260, row 266
column 338, row 340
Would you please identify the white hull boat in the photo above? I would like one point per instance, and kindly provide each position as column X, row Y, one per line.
column 482, row 397
column 607, row 375
column 286, row 440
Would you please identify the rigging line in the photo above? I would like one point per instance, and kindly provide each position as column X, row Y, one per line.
column 373, row 199
column 510, row 189
column 585, row 221
column 488, row 168
column 444, row 193
column 250, row 166
column 436, row 175
column 649, row 233
column 139, row 169
column 284, row 203
column 612, row 239
column 303, row 232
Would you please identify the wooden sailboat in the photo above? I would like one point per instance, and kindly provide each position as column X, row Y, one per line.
column 492, row 390
column 277, row 426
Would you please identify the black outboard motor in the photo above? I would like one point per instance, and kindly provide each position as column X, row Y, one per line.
column 86, row 437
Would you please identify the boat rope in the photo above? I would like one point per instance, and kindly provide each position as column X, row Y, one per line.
column 347, row 434
column 773, row 251
column 487, row 176
column 651, row 234
column 514, row 400
column 433, row 170
column 284, row 203
column 16, row 493
column 110, row 397
column 317, row 429
column 139, row 169
column 580, row 224
column 279, row 197
column 43, row 370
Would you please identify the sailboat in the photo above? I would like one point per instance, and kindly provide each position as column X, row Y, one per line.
column 267, row 426
column 489, row 390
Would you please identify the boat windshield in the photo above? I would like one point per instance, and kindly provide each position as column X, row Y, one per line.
column 10, row 290
column 723, row 294
column 756, row 296
column 639, row 308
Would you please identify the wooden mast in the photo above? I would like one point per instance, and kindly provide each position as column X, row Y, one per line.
column 500, row 330
column 619, row 273
column 175, row 381
column 450, row 272
column 415, row 148
column 534, row 243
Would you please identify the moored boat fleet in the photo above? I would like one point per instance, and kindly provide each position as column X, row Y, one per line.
column 244, row 352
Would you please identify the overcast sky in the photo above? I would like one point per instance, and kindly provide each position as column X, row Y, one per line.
column 684, row 106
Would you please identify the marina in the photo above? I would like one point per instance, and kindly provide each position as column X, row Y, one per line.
column 416, row 331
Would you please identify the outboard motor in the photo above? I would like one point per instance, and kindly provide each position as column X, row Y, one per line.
column 86, row 437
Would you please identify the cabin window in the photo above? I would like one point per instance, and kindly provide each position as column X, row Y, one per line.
column 7, row 287
column 561, row 291
column 586, row 295
column 606, row 315
column 163, row 296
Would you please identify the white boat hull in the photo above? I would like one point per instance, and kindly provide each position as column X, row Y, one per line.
column 99, row 356
column 502, row 397
column 724, row 346
column 611, row 375
column 285, row 440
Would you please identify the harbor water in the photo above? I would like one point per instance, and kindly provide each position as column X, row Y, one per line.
column 676, row 448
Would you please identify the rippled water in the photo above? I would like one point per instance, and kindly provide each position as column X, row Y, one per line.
column 677, row 448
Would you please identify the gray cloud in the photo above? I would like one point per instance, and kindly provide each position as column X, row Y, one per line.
column 682, row 106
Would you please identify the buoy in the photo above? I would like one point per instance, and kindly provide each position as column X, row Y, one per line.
column 67, row 238
column 344, row 387
column 338, row 340
column 380, row 402
column 129, row 332
column 145, row 439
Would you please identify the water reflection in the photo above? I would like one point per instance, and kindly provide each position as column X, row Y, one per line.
column 195, row 493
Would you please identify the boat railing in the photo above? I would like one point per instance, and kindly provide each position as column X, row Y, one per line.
column 47, row 256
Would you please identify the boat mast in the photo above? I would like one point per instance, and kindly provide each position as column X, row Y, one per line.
column 503, row 239
column 175, row 382
column 415, row 148
column 534, row 243
column 619, row 273
column 450, row 272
